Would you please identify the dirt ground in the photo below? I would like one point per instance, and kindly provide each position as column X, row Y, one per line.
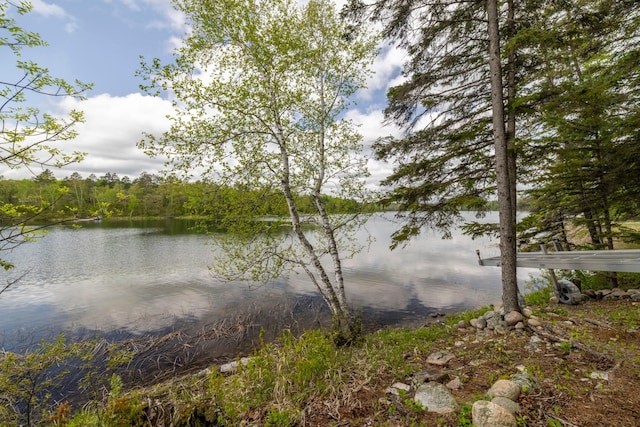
column 586, row 358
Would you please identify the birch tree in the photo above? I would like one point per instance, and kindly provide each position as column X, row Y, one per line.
column 260, row 89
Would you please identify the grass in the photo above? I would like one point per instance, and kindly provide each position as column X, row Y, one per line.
column 280, row 381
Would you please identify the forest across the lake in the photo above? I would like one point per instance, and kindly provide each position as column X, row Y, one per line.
column 149, row 195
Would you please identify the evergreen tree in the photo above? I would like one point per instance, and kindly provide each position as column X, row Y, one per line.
column 583, row 150
column 457, row 151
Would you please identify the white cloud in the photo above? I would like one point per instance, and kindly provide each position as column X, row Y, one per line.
column 53, row 10
column 131, row 4
column 46, row 9
column 176, row 19
column 113, row 126
column 372, row 124
column 371, row 127
column 71, row 27
column 157, row 15
column 387, row 67
column 171, row 18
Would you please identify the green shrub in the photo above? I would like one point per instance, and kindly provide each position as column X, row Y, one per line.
column 26, row 380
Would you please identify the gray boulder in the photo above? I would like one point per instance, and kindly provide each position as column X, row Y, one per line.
column 505, row 388
column 440, row 358
column 489, row 414
column 527, row 382
column 567, row 292
column 507, row 404
column 435, row 397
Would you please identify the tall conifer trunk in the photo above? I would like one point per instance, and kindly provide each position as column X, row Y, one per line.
column 507, row 217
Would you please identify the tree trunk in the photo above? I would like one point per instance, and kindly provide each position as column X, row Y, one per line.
column 332, row 294
column 511, row 112
column 504, row 182
column 341, row 318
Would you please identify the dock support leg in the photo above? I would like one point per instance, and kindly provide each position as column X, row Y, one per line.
column 564, row 290
column 552, row 273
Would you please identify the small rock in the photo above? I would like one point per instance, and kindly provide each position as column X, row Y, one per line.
column 440, row 358
column 519, row 326
column 491, row 324
column 635, row 297
column 233, row 366
column 553, row 300
column 513, row 317
column 633, row 291
column 599, row 375
column 435, row 398
column 482, row 323
column 505, row 388
column 620, row 294
column 206, row 372
column 507, row 404
column 454, row 384
column 500, row 329
column 428, row 375
column 527, row 382
column 401, row 386
column 534, row 322
column 462, row 324
column 534, row 341
column 396, row 387
column 527, row 312
column 493, row 319
column 489, row 414
column 491, row 314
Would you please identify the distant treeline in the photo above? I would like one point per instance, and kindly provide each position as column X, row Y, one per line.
column 523, row 204
column 148, row 196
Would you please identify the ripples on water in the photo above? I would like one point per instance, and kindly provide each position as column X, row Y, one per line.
column 127, row 279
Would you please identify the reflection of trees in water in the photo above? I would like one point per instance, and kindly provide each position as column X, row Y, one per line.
column 191, row 345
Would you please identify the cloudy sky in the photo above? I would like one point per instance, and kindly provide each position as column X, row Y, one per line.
column 101, row 41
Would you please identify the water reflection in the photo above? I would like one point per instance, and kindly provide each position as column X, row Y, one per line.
column 141, row 278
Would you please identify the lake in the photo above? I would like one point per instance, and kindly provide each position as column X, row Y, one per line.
column 132, row 279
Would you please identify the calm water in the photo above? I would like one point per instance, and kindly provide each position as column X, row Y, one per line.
column 141, row 278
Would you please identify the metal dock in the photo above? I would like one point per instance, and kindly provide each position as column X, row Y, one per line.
column 627, row 261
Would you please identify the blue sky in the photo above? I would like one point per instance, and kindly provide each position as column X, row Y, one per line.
column 100, row 41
